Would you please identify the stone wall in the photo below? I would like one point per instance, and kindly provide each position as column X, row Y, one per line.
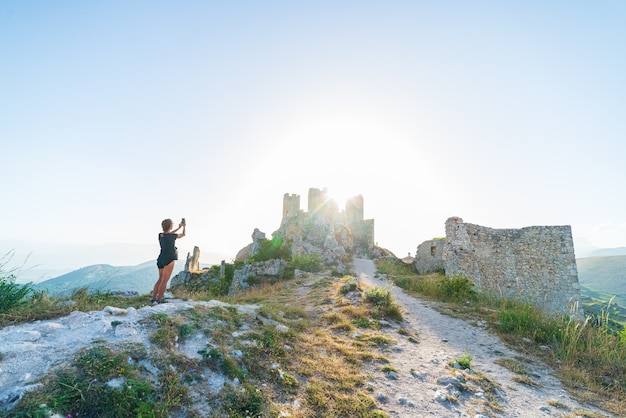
column 319, row 203
column 363, row 232
column 429, row 256
column 535, row 264
column 354, row 209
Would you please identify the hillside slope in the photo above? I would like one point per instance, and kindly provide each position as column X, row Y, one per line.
column 603, row 277
column 104, row 277
column 298, row 351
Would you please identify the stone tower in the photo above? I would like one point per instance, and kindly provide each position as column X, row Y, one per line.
column 291, row 205
column 317, row 198
column 354, row 209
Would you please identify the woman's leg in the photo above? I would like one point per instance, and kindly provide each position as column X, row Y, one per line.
column 157, row 285
column 167, row 273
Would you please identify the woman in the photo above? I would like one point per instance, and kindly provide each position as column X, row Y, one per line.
column 167, row 257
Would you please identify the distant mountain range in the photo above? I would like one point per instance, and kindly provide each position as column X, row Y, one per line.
column 583, row 249
column 601, row 278
column 37, row 261
column 607, row 252
column 104, row 277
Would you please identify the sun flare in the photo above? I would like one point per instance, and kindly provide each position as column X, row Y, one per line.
column 340, row 194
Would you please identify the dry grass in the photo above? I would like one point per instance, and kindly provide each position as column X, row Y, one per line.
column 526, row 380
column 557, row 404
column 488, row 386
column 356, row 312
column 323, row 367
column 513, row 365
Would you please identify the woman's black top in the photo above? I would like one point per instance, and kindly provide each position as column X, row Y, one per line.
column 169, row 252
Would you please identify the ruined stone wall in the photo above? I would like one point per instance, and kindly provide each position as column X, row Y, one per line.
column 354, row 209
column 362, row 229
column 534, row 264
column 366, row 233
column 316, row 199
column 429, row 256
column 319, row 204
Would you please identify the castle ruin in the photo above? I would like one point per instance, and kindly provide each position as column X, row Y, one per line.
column 429, row 256
column 321, row 206
column 535, row 264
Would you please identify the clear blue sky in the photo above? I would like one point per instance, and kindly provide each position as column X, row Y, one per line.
column 117, row 114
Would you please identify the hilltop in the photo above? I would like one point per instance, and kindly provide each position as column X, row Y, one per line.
column 314, row 346
column 310, row 323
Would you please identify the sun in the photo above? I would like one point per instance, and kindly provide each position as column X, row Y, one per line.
column 340, row 194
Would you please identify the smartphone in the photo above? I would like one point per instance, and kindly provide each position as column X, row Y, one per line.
column 183, row 221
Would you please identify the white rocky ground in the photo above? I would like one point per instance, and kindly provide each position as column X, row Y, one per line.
column 32, row 349
column 423, row 385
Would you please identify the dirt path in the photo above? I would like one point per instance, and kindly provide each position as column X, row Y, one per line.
column 425, row 385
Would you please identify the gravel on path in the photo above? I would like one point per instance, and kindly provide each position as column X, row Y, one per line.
column 426, row 385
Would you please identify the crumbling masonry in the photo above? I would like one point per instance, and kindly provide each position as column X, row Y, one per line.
column 535, row 264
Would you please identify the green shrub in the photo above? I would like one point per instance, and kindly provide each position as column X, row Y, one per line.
column 393, row 312
column 307, row 262
column 244, row 401
column 361, row 322
column 232, row 369
column 208, row 283
column 529, row 322
column 378, row 296
column 465, row 361
column 384, row 306
column 270, row 340
column 11, row 293
column 622, row 334
column 458, row 289
column 212, row 357
column 395, row 267
column 83, row 390
column 349, row 285
column 272, row 249
column 439, row 287
column 185, row 331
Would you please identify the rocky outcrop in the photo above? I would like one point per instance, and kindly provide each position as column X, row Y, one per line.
column 255, row 273
column 307, row 234
column 195, row 281
column 253, row 248
column 257, row 237
column 193, row 260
